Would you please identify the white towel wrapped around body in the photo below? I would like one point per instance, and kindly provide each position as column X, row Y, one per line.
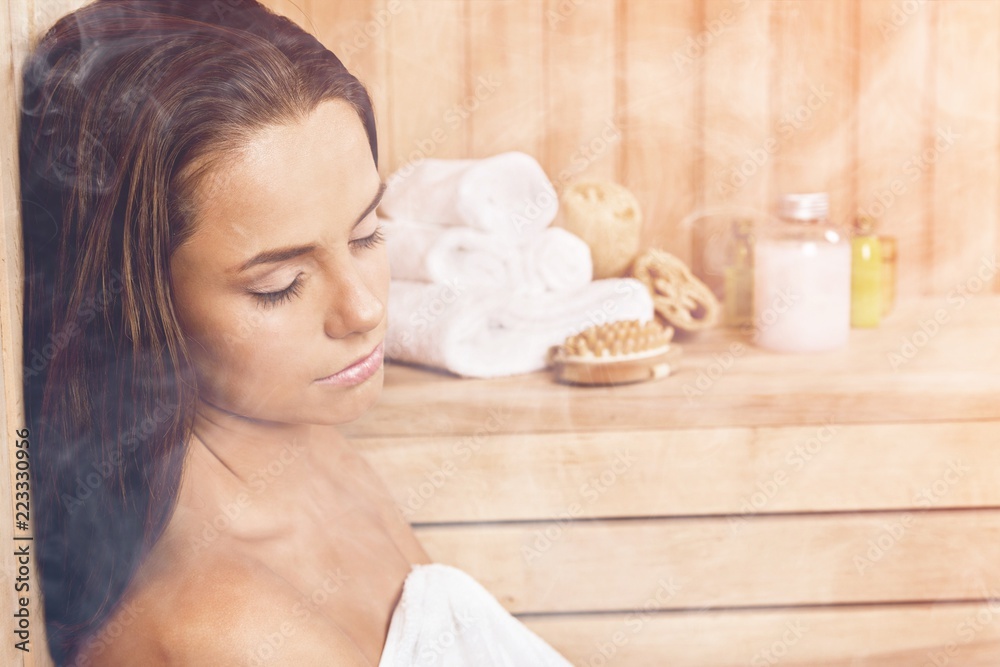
column 485, row 332
column 553, row 259
column 508, row 193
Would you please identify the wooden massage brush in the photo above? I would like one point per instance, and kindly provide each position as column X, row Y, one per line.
column 615, row 353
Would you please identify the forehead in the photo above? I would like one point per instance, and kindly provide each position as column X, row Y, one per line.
column 290, row 182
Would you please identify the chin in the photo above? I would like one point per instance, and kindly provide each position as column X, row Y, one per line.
column 350, row 403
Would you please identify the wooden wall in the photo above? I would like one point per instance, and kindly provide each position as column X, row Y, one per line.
column 890, row 105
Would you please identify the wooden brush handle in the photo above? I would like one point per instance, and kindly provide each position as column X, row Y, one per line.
column 614, row 372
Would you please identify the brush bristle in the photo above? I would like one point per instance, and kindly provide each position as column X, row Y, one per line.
column 618, row 339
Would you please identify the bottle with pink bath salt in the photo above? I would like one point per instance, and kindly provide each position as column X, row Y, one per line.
column 802, row 278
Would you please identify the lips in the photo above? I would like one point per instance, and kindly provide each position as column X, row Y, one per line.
column 358, row 371
column 359, row 359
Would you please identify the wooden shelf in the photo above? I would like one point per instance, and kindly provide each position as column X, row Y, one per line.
column 723, row 380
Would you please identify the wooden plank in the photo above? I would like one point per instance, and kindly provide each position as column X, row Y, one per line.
column 534, row 403
column 782, row 560
column 298, row 11
column 814, row 100
column 428, row 115
column 583, row 134
column 14, row 35
column 357, row 34
column 42, row 15
column 660, row 117
column 893, row 107
column 734, row 42
column 505, row 53
column 964, row 634
column 933, row 360
column 963, row 144
column 723, row 471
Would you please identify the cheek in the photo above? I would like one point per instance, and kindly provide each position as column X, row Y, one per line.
column 248, row 341
column 249, row 364
column 377, row 266
column 233, row 342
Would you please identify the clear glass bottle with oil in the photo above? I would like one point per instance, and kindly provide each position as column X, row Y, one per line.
column 866, row 275
column 739, row 274
column 889, row 252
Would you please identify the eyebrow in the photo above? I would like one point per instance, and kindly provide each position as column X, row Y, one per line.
column 284, row 254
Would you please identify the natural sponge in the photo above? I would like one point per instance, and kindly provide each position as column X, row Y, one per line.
column 680, row 299
column 608, row 218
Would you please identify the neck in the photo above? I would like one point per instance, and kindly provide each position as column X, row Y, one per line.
column 266, row 478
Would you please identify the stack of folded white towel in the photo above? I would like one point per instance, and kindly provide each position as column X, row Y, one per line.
column 482, row 284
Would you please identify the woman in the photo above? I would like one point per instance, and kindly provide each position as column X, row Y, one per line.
column 205, row 301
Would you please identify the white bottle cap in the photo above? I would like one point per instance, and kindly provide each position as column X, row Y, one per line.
column 811, row 206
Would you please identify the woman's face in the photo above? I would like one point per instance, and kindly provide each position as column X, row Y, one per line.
column 281, row 283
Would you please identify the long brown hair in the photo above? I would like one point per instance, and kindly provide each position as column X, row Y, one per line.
column 127, row 104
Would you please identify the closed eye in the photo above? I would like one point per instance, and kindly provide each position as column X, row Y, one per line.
column 369, row 241
column 281, row 296
column 286, row 294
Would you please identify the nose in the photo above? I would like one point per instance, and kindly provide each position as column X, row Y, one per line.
column 356, row 300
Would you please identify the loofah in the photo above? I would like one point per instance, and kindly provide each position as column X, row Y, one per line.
column 680, row 299
column 614, row 353
column 607, row 216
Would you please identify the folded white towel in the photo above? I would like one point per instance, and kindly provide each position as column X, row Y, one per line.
column 437, row 253
column 507, row 193
column 553, row 259
column 487, row 332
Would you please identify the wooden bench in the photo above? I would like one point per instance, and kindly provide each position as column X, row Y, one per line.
column 840, row 508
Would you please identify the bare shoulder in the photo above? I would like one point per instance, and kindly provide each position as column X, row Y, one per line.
column 392, row 514
column 228, row 612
